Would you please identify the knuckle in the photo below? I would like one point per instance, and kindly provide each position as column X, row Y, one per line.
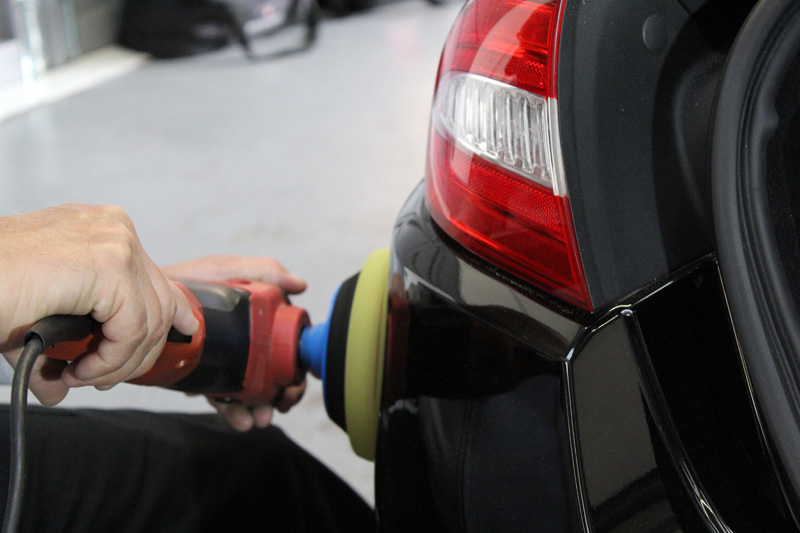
column 170, row 308
column 169, row 319
column 136, row 334
column 143, row 367
column 104, row 369
column 118, row 221
column 115, row 246
column 159, row 330
column 114, row 212
column 108, row 380
column 120, row 250
column 76, row 206
column 139, row 334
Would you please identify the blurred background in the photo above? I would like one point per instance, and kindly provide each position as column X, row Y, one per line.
column 306, row 156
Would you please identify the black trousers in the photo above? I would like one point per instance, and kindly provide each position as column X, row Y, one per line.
column 92, row 470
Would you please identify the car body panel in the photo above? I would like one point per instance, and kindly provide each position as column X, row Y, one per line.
column 636, row 87
column 507, row 409
column 495, row 419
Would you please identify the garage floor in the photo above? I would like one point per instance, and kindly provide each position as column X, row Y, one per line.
column 307, row 159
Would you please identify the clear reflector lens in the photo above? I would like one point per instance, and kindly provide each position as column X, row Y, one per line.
column 501, row 123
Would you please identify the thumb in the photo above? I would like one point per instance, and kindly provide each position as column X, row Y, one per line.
column 185, row 320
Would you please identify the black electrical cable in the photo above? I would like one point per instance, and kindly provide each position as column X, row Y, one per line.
column 19, row 403
column 45, row 333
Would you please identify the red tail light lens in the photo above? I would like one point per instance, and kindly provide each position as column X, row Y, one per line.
column 494, row 177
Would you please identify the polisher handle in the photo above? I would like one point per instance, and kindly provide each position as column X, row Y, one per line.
column 245, row 349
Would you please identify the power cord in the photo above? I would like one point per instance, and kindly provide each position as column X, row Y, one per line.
column 45, row 333
column 19, row 403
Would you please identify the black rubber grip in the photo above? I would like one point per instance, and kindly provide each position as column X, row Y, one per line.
column 60, row 328
column 223, row 364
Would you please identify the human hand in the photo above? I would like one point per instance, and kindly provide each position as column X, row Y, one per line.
column 216, row 268
column 80, row 259
column 243, row 418
column 219, row 268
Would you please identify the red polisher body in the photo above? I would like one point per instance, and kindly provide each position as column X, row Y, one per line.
column 245, row 350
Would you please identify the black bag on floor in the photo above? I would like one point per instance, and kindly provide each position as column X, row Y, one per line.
column 180, row 28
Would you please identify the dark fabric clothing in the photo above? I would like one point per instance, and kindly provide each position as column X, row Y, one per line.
column 115, row 471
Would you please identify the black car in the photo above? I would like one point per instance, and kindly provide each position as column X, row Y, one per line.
column 593, row 320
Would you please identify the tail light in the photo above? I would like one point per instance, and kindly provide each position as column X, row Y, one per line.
column 494, row 179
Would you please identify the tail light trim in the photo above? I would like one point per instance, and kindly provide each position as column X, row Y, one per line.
column 495, row 174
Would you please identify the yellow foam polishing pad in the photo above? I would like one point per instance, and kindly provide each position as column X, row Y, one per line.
column 366, row 345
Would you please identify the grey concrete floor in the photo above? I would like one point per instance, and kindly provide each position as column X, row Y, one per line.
column 306, row 159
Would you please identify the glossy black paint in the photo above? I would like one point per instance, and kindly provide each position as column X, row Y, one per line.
column 503, row 411
column 460, row 376
column 661, row 393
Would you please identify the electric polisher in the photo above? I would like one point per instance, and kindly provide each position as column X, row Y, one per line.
column 252, row 343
